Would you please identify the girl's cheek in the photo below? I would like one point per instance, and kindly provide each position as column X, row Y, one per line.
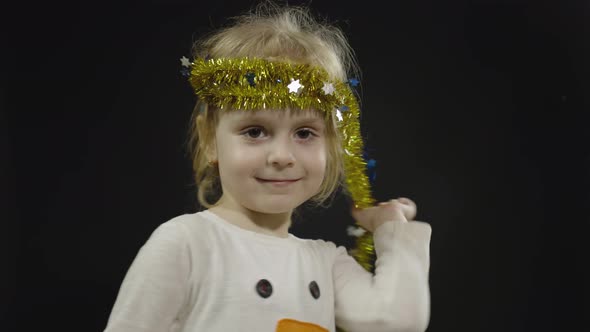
column 317, row 156
column 246, row 156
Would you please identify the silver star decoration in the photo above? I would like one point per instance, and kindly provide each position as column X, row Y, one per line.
column 339, row 115
column 328, row 88
column 355, row 231
column 294, row 86
column 184, row 61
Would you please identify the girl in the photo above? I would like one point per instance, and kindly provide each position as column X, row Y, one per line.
column 275, row 126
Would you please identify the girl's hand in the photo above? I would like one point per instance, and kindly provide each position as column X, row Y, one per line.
column 397, row 210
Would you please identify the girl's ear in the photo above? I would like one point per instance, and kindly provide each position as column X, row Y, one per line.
column 206, row 139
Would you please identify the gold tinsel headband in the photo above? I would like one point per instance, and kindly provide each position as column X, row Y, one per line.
column 255, row 84
column 252, row 83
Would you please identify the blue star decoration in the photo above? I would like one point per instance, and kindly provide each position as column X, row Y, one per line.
column 371, row 168
column 185, row 72
column 353, row 82
column 250, row 77
column 344, row 108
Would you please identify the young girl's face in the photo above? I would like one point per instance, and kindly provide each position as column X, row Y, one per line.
column 270, row 161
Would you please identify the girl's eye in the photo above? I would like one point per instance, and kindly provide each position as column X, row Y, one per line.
column 258, row 132
column 254, row 132
column 305, row 134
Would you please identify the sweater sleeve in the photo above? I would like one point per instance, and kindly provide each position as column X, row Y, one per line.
column 397, row 296
column 155, row 287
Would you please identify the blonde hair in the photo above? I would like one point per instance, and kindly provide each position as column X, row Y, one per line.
column 276, row 33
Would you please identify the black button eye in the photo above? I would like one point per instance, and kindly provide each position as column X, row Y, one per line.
column 264, row 288
column 314, row 289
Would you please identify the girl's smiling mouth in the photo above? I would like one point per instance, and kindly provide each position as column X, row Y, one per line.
column 282, row 182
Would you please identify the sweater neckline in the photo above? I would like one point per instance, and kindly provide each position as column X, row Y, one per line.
column 237, row 230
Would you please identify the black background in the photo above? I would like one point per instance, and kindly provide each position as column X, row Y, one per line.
column 477, row 110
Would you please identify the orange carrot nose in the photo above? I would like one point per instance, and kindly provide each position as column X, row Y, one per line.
column 291, row 325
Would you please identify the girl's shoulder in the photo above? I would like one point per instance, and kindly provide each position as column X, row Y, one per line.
column 187, row 229
column 321, row 246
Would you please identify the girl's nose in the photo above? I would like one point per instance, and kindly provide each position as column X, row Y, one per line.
column 281, row 154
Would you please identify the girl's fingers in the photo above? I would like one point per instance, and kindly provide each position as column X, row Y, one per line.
column 407, row 205
column 402, row 209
